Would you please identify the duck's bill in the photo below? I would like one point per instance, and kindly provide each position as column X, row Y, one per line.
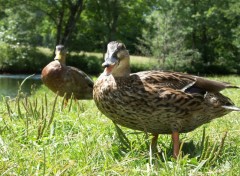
column 108, row 70
column 109, row 65
column 109, row 61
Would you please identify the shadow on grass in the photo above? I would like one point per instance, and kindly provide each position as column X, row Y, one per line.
column 204, row 151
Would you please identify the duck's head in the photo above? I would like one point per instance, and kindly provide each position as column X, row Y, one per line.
column 116, row 60
column 60, row 54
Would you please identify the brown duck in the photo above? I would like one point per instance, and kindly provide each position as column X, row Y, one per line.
column 155, row 101
column 66, row 79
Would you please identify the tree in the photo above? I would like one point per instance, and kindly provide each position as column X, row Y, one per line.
column 60, row 17
column 64, row 14
column 164, row 38
column 107, row 20
column 213, row 25
column 208, row 27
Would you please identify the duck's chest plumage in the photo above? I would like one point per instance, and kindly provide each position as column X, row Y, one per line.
column 148, row 102
column 67, row 80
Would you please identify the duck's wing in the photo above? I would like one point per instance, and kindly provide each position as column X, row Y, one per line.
column 79, row 77
column 77, row 82
column 185, row 82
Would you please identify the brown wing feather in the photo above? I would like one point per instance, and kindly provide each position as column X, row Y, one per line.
column 181, row 81
column 166, row 79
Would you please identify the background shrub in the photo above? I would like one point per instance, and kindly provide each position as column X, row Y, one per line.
column 21, row 59
column 89, row 64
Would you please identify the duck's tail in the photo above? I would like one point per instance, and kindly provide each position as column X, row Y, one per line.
column 233, row 108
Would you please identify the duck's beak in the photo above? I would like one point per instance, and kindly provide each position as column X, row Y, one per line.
column 109, row 64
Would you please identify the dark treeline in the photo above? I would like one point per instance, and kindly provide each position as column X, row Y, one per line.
column 196, row 36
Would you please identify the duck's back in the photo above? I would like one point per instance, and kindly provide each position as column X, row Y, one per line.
column 65, row 79
column 160, row 102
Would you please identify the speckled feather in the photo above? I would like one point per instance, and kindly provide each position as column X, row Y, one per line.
column 160, row 102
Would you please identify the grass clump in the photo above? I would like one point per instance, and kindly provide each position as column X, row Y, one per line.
column 38, row 136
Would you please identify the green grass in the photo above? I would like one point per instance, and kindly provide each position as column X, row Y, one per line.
column 40, row 137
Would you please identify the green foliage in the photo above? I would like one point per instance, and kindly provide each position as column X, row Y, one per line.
column 20, row 26
column 104, row 21
column 21, row 59
column 88, row 64
column 194, row 36
column 164, row 39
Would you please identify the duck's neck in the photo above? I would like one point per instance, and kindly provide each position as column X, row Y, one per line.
column 63, row 63
column 122, row 69
column 62, row 60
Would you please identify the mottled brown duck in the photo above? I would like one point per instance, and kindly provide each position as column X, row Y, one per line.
column 66, row 79
column 157, row 102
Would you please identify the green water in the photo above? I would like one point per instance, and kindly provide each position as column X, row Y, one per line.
column 9, row 84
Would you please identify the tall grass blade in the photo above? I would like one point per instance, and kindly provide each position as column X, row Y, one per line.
column 20, row 86
column 18, row 108
column 41, row 129
column 198, row 168
column 123, row 138
column 35, row 106
column 25, row 107
column 43, row 110
column 53, row 110
column 31, row 108
column 27, row 125
column 46, row 104
column 205, row 148
column 44, row 161
column 64, row 101
column 8, row 109
column 212, row 153
column 203, row 138
column 71, row 99
column 219, row 148
column 8, row 128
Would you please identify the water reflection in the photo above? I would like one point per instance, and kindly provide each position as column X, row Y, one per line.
column 9, row 84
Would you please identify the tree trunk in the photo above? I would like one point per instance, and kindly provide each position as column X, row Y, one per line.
column 59, row 26
column 113, row 20
column 75, row 11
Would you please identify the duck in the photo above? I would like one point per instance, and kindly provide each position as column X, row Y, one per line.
column 157, row 102
column 66, row 80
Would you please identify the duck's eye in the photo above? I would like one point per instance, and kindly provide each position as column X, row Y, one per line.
column 121, row 46
column 116, row 55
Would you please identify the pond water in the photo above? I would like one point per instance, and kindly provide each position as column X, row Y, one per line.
column 9, row 84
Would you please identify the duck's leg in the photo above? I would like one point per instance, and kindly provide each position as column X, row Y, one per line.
column 176, row 144
column 154, row 143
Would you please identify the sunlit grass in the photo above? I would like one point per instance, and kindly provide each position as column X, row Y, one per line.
column 40, row 137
